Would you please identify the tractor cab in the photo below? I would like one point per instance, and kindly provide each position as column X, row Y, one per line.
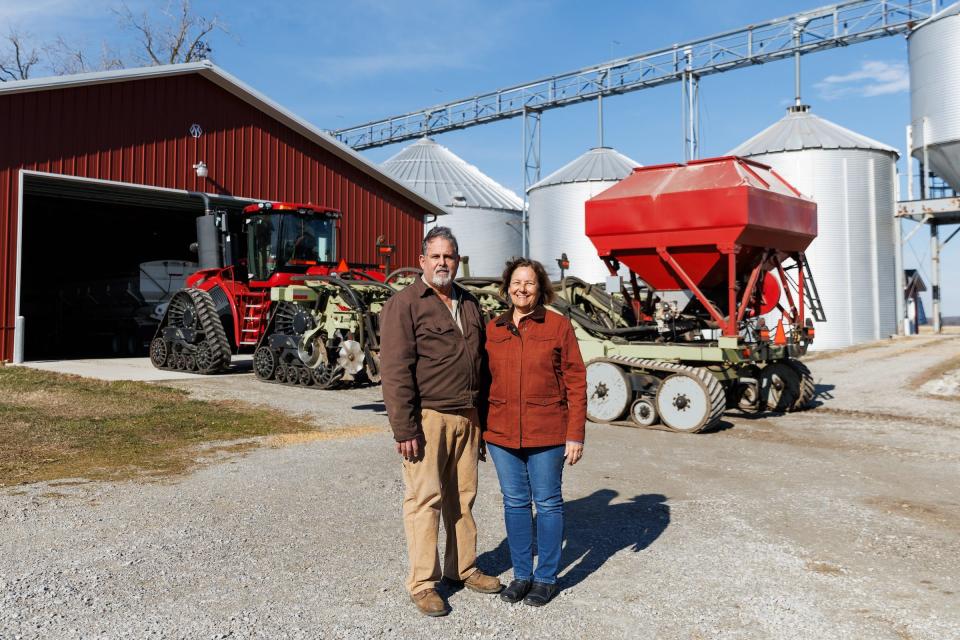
column 287, row 239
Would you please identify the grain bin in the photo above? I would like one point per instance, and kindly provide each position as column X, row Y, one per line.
column 851, row 178
column 934, row 50
column 484, row 216
column 557, row 211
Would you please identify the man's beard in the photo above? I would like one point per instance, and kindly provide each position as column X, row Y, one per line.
column 440, row 278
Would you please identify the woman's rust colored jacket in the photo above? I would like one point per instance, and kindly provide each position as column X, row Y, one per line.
column 538, row 388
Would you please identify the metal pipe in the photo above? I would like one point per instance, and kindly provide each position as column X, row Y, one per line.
column 523, row 158
column 600, row 119
column 208, row 256
column 796, row 65
column 935, row 275
column 909, row 162
column 898, row 251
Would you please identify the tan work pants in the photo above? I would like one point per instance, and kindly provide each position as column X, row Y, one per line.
column 443, row 481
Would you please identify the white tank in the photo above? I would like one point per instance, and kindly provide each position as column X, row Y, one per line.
column 934, row 50
column 556, row 215
column 483, row 215
column 851, row 179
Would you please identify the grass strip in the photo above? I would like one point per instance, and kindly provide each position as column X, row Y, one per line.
column 63, row 426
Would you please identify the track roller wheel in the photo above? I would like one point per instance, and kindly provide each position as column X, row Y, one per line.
column 781, row 385
column 327, row 376
column 687, row 403
column 608, row 392
column 204, row 359
column 808, row 390
column 643, row 413
column 189, row 362
column 180, row 361
column 159, row 354
column 264, row 363
column 304, row 376
column 281, row 373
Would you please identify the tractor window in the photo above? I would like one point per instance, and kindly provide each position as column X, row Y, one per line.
column 263, row 233
column 307, row 240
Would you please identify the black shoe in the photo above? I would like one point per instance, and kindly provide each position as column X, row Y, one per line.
column 516, row 591
column 540, row 594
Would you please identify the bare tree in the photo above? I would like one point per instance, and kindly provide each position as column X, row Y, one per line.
column 179, row 36
column 18, row 58
column 66, row 59
column 176, row 35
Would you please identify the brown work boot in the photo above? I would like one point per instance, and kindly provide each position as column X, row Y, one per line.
column 482, row 583
column 429, row 603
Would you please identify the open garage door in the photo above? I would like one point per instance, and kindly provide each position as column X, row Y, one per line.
column 98, row 259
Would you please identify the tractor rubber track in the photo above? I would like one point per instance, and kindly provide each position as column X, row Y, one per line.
column 715, row 390
column 212, row 354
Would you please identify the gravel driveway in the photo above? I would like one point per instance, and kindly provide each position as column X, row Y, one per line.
column 842, row 522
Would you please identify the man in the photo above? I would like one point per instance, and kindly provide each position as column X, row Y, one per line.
column 431, row 347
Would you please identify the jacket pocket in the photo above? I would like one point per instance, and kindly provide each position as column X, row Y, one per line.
column 496, row 415
column 439, row 329
column 546, row 416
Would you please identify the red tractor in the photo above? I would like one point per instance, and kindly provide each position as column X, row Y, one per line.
column 226, row 306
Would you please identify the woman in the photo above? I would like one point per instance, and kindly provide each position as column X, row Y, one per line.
column 537, row 410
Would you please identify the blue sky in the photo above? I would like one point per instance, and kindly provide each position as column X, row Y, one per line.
column 343, row 63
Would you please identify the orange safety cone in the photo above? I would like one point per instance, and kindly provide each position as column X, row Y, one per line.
column 780, row 337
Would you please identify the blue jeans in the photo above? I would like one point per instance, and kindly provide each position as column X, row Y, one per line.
column 524, row 474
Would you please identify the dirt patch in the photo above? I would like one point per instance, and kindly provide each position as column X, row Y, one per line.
column 877, row 416
column 768, row 431
column 825, row 568
column 921, row 512
column 286, row 439
column 836, row 353
column 935, row 372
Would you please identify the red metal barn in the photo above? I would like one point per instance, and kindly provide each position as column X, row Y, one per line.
column 97, row 176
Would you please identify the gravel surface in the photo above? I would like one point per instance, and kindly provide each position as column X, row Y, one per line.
column 841, row 522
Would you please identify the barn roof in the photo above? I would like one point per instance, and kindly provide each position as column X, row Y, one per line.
column 242, row 91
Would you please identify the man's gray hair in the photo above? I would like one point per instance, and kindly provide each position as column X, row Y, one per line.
column 443, row 233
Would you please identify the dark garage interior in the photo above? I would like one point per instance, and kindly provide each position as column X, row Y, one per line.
column 82, row 250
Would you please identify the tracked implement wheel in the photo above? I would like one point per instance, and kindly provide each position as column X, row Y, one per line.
column 780, row 387
column 643, row 412
column 684, row 402
column 608, row 391
column 807, row 389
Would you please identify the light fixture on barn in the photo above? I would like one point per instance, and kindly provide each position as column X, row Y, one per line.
column 201, row 169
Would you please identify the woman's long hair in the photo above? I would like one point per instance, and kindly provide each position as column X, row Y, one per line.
column 545, row 293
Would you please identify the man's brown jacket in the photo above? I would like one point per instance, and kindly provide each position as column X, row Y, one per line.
column 426, row 362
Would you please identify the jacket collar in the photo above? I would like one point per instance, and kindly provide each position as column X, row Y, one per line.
column 506, row 318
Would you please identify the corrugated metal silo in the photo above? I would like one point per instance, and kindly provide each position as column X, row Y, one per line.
column 556, row 211
column 934, row 49
column 484, row 215
column 851, row 179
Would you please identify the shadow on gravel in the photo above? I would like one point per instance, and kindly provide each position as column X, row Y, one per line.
column 595, row 530
column 822, row 391
column 376, row 407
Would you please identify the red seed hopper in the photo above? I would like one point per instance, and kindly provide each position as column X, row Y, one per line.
column 713, row 225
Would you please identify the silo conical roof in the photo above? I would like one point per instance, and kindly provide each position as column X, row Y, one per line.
column 440, row 175
column 800, row 130
column 598, row 164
